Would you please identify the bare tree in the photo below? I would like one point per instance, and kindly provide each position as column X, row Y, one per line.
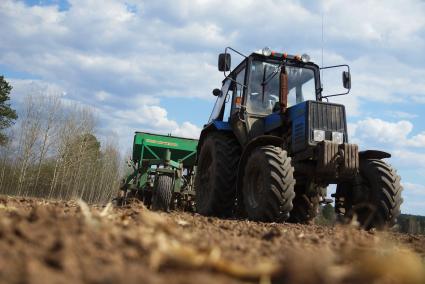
column 57, row 153
column 51, row 106
column 6, row 154
column 28, row 135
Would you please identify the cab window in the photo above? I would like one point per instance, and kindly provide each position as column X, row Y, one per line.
column 301, row 85
column 262, row 97
column 263, row 94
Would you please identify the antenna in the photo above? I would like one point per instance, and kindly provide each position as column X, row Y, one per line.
column 323, row 36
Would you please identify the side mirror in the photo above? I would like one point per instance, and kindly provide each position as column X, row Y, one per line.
column 217, row 92
column 224, row 62
column 346, row 79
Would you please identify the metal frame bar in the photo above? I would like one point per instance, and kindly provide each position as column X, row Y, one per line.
column 334, row 66
column 224, row 72
column 187, row 156
column 152, row 152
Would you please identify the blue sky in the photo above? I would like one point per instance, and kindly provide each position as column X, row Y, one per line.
column 151, row 65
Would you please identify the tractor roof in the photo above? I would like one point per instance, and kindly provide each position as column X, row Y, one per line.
column 276, row 56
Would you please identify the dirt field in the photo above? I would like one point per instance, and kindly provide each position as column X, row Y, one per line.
column 58, row 242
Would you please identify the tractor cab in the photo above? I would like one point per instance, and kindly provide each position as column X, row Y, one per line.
column 264, row 83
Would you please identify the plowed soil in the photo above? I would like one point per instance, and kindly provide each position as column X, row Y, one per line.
column 70, row 242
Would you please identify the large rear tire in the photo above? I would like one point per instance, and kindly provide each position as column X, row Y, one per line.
column 215, row 180
column 268, row 185
column 376, row 204
column 163, row 192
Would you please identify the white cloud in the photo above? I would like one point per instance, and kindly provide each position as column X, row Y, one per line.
column 155, row 118
column 115, row 50
column 392, row 133
column 170, row 50
column 408, row 159
column 394, row 24
column 382, row 131
column 385, row 78
column 187, row 129
column 417, row 140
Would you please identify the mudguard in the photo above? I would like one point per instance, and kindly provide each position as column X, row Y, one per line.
column 374, row 154
column 212, row 126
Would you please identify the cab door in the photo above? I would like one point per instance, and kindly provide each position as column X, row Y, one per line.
column 237, row 117
column 259, row 99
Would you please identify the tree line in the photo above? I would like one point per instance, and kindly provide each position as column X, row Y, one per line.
column 410, row 224
column 52, row 151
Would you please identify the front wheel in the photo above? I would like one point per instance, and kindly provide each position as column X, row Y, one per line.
column 163, row 192
column 268, row 185
column 374, row 198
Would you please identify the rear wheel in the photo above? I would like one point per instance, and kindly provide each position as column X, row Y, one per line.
column 215, row 180
column 268, row 185
column 374, row 199
column 163, row 193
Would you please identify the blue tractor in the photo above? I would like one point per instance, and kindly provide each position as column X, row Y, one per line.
column 273, row 144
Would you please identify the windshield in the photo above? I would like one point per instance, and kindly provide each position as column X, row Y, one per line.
column 263, row 96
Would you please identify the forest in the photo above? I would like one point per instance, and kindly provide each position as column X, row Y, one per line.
column 52, row 150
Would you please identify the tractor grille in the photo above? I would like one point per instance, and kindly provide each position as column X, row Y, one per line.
column 328, row 117
column 313, row 115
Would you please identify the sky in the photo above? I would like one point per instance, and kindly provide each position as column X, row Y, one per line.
column 151, row 65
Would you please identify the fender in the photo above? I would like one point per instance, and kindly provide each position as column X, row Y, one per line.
column 214, row 125
column 373, row 154
column 259, row 141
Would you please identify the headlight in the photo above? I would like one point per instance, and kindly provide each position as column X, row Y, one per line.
column 305, row 58
column 318, row 135
column 266, row 51
column 338, row 137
